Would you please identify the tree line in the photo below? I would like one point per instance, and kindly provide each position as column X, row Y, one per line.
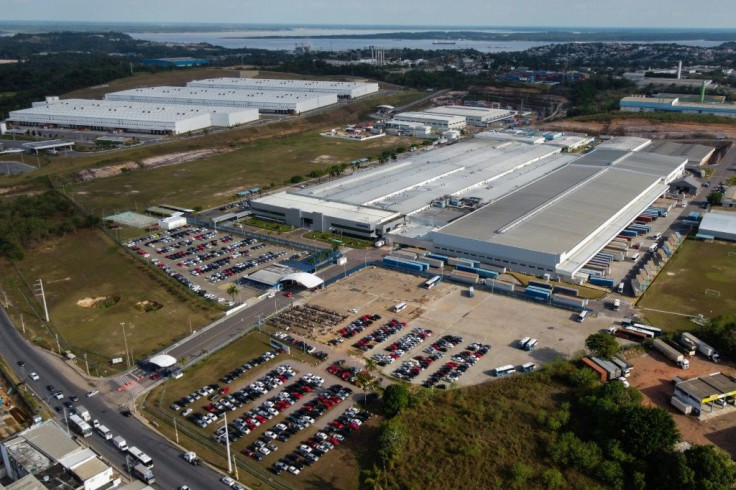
column 29, row 220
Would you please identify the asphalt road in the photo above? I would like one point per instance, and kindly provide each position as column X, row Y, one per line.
column 170, row 469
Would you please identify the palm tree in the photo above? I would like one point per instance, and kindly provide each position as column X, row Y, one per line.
column 233, row 290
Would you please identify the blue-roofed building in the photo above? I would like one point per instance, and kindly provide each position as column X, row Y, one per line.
column 676, row 104
column 180, row 62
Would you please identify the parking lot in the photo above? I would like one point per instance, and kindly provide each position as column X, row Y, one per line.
column 283, row 415
column 209, row 262
column 463, row 327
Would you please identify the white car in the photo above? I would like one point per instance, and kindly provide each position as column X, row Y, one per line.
column 293, row 470
column 227, row 481
column 34, row 376
column 264, row 450
column 90, row 394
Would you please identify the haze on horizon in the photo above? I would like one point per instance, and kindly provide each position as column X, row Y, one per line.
column 705, row 14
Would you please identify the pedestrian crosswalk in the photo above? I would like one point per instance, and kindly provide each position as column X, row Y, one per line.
column 130, row 382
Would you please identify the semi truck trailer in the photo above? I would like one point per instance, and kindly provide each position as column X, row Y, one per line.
column 671, row 353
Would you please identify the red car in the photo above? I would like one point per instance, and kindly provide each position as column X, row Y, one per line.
column 288, row 294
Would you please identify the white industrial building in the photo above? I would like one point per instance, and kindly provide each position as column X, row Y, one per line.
column 136, row 117
column 718, row 224
column 474, row 116
column 438, row 122
column 344, row 90
column 527, row 207
column 47, row 453
column 322, row 215
column 416, row 129
column 266, row 101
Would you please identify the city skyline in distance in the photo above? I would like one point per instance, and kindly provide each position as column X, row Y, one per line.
column 657, row 14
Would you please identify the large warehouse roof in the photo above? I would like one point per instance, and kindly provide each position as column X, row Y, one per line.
column 557, row 213
column 479, row 166
column 696, row 154
column 133, row 116
column 343, row 89
column 262, row 99
column 428, row 117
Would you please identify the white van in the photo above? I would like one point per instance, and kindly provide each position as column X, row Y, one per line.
column 635, row 257
column 657, row 236
column 582, row 315
column 104, row 432
column 399, row 307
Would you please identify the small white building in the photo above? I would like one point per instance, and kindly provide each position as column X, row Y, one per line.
column 172, row 223
column 438, row 122
column 719, row 224
column 416, row 129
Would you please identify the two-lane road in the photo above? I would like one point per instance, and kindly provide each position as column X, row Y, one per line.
column 170, row 469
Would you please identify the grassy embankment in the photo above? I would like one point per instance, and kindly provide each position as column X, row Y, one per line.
column 679, row 291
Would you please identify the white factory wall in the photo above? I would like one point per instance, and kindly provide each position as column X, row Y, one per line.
column 228, row 119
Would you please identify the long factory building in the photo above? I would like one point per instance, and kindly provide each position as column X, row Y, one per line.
column 527, row 207
column 344, row 90
column 135, row 117
column 266, row 101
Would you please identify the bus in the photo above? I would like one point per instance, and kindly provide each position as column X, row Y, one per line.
column 523, row 342
column 582, row 315
column 79, row 426
column 399, row 307
column 632, row 328
column 140, row 457
column 531, row 344
column 430, row 283
column 503, row 370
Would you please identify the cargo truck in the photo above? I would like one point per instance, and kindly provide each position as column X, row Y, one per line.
column 83, row 412
column 602, row 373
column 703, row 348
column 671, row 353
column 471, row 292
column 623, row 365
column 119, row 442
column 144, row 474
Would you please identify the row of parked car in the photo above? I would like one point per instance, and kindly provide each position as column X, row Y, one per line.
column 381, row 334
column 272, row 407
column 458, row 364
column 312, row 449
column 297, row 422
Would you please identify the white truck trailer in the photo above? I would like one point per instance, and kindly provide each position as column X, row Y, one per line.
column 671, row 353
column 703, row 348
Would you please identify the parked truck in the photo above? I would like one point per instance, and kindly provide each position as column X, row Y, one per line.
column 83, row 412
column 671, row 353
column 703, row 348
column 623, row 365
column 144, row 474
column 119, row 442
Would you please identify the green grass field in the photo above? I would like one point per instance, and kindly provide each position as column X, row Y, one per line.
column 215, row 180
column 680, row 287
column 89, row 265
column 471, row 437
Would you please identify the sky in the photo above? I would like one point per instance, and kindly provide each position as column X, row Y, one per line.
column 553, row 13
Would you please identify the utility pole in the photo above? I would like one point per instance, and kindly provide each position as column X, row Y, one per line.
column 58, row 345
column 176, row 431
column 22, row 323
column 227, row 446
column 43, row 299
column 86, row 363
column 235, row 467
column 125, row 340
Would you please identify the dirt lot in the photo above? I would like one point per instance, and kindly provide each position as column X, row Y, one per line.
column 645, row 128
column 487, row 318
column 653, row 375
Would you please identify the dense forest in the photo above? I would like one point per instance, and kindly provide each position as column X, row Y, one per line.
column 28, row 220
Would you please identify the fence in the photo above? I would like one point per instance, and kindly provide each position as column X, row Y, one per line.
column 252, row 468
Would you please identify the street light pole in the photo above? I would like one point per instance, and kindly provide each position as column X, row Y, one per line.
column 125, row 340
column 227, row 447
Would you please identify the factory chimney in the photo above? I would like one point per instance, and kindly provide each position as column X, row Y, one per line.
column 679, row 70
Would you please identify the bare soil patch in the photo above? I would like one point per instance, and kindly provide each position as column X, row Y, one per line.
column 645, row 128
column 653, row 375
column 148, row 306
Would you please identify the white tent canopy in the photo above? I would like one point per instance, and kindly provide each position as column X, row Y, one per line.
column 306, row 279
column 163, row 360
